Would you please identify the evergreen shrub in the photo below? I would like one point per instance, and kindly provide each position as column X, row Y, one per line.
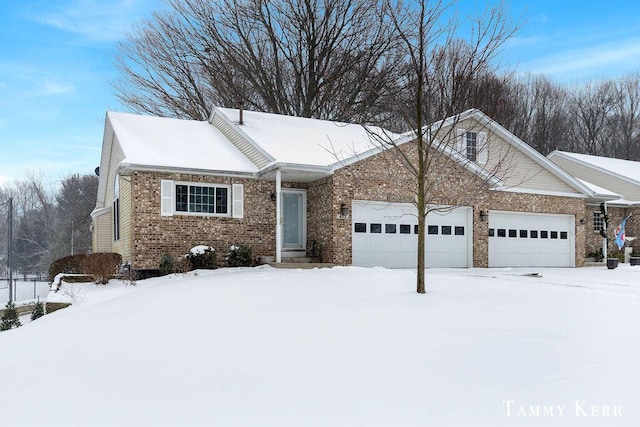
column 239, row 256
column 10, row 317
column 202, row 257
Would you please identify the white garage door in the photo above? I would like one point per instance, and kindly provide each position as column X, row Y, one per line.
column 386, row 234
column 531, row 240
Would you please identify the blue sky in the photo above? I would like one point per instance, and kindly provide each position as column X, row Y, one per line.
column 56, row 61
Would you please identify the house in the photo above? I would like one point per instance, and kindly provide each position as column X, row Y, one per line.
column 618, row 183
column 289, row 187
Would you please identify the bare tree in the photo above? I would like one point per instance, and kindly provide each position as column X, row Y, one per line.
column 314, row 58
column 75, row 200
column 543, row 117
column 625, row 117
column 439, row 79
column 34, row 222
column 592, row 105
column 44, row 218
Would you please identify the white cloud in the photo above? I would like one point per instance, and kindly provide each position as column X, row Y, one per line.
column 616, row 56
column 51, row 87
column 522, row 42
column 96, row 19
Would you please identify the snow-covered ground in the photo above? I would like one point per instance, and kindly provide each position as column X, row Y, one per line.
column 334, row 347
column 26, row 291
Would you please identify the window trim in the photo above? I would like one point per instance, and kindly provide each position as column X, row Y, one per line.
column 116, row 219
column 478, row 153
column 201, row 184
column 598, row 221
column 116, row 207
column 471, row 145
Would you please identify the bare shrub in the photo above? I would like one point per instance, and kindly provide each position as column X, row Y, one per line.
column 102, row 266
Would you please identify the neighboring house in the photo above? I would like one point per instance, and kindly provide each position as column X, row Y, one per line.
column 618, row 181
column 289, row 187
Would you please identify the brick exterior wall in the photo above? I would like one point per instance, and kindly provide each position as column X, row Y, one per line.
column 154, row 235
column 320, row 217
column 381, row 178
column 593, row 241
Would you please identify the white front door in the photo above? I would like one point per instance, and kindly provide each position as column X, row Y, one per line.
column 294, row 220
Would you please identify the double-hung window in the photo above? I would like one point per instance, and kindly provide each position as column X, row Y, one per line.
column 116, row 207
column 472, row 146
column 206, row 199
column 194, row 198
column 598, row 221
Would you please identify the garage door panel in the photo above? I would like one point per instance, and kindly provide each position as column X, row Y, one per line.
column 531, row 240
column 450, row 246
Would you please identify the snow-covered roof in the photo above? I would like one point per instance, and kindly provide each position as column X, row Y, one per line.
column 303, row 141
column 600, row 192
column 623, row 168
column 176, row 143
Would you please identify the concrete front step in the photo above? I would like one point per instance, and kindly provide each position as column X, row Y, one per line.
column 302, row 265
column 289, row 260
column 302, row 259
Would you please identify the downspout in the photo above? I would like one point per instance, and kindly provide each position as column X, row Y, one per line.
column 278, row 216
column 604, row 239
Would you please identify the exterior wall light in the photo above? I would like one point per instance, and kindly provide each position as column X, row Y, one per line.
column 272, row 196
column 344, row 210
column 483, row 215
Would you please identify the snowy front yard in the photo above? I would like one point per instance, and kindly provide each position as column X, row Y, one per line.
column 334, row 347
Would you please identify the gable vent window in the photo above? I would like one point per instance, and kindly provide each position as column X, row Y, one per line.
column 472, row 146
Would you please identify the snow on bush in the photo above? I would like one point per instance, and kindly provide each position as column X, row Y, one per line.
column 202, row 256
column 201, row 249
column 239, row 256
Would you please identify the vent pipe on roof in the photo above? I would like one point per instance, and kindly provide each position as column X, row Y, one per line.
column 240, row 105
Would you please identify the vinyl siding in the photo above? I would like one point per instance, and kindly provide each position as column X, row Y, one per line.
column 626, row 189
column 102, row 234
column 123, row 245
column 117, row 156
column 103, row 224
column 524, row 172
column 516, row 169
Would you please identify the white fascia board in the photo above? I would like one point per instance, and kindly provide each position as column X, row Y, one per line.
column 450, row 121
column 540, row 192
column 356, row 158
column 622, row 203
column 557, row 153
column 377, row 149
column 127, row 168
column 410, row 137
column 526, row 149
column 295, row 167
column 108, row 138
column 237, row 127
column 471, row 166
column 100, row 211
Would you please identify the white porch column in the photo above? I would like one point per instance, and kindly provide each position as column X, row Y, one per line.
column 278, row 216
column 604, row 239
